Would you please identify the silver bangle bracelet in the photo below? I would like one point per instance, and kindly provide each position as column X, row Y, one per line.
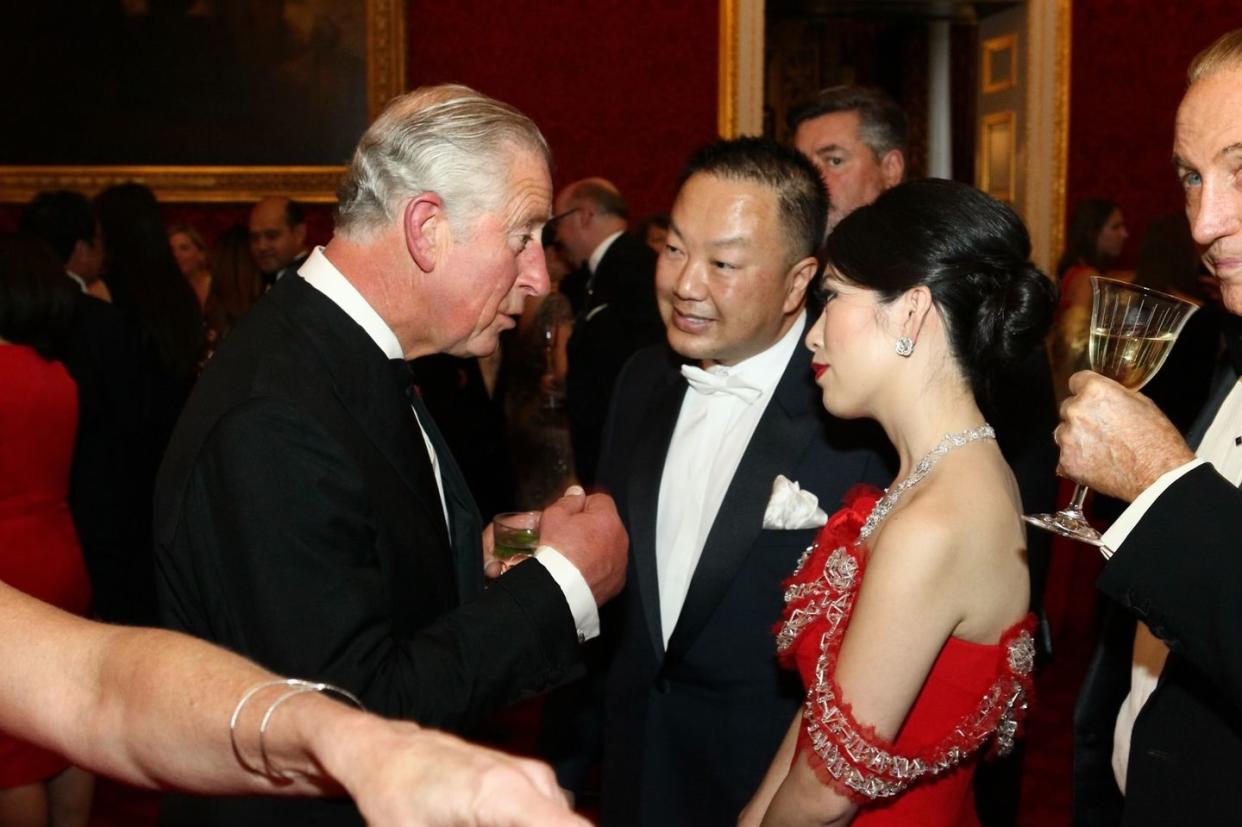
column 296, row 686
column 245, row 698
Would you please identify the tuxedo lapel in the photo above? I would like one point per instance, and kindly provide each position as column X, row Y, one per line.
column 1226, row 378
column 463, row 513
column 644, row 495
column 782, row 435
column 362, row 379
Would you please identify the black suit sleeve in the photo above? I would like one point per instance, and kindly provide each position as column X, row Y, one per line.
column 280, row 520
column 1180, row 571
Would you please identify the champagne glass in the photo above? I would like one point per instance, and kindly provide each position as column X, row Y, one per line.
column 1133, row 329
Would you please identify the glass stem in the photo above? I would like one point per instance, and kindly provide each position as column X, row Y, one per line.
column 1080, row 494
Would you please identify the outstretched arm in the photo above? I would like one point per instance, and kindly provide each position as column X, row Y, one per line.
column 153, row 708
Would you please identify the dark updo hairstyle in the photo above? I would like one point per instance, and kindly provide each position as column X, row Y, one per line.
column 1082, row 242
column 36, row 297
column 971, row 251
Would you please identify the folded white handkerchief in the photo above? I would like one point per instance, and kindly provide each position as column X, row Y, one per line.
column 791, row 508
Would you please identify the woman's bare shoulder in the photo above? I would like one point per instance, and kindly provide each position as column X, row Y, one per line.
column 951, row 530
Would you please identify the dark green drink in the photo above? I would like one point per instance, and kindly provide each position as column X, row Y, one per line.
column 515, row 534
column 516, row 541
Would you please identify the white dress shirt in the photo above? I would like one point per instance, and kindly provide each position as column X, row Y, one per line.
column 601, row 249
column 81, row 282
column 1221, row 447
column 324, row 277
column 712, row 433
column 597, row 255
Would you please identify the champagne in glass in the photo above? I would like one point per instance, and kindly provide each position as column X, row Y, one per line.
column 1133, row 329
column 1128, row 358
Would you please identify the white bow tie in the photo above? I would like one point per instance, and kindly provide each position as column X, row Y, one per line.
column 709, row 384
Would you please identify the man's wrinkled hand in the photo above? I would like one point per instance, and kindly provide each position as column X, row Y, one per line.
column 588, row 532
column 1113, row 440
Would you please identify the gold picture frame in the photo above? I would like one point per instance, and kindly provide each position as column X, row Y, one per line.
column 997, row 163
column 386, row 78
column 1002, row 51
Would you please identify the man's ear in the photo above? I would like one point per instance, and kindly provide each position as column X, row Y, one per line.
column 915, row 306
column 422, row 220
column 799, row 279
column 893, row 168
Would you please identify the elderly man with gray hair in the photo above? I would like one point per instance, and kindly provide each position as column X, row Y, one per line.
column 1173, row 558
column 309, row 514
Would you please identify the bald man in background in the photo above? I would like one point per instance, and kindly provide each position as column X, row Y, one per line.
column 618, row 313
column 278, row 238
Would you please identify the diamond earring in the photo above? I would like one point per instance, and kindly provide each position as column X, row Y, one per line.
column 905, row 346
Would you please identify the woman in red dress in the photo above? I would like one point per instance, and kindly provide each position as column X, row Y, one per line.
column 39, row 552
column 1097, row 234
column 907, row 619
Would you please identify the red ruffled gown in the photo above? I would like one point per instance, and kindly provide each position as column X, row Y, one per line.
column 973, row 694
column 39, row 551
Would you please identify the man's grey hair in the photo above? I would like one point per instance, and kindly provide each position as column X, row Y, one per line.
column 604, row 197
column 881, row 121
column 450, row 140
column 1224, row 53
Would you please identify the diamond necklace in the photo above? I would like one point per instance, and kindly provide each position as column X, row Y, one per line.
column 950, row 441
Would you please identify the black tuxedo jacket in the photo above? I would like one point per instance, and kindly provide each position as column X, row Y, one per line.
column 111, row 508
column 690, row 731
column 1179, row 572
column 298, row 523
column 619, row 316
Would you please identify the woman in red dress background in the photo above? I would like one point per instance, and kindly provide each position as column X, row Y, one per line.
column 908, row 617
column 1097, row 235
column 39, row 552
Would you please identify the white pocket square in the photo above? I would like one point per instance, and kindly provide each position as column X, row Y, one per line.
column 792, row 508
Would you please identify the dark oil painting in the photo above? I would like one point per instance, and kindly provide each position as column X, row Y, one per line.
column 183, row 82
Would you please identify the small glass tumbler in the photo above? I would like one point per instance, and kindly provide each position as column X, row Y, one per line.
column 515, row 535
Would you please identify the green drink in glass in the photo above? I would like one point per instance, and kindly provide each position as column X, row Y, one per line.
column 516, row 535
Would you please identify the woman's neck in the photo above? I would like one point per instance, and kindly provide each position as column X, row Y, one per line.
column 917, row 426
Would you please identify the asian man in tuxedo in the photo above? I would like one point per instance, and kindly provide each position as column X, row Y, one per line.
column 695, row 704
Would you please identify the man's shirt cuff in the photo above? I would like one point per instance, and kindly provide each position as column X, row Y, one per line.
column 577, row 592
column 1121, row 528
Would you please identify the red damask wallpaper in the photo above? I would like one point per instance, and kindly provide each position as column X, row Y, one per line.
column 1128, row 75
column 625, row 89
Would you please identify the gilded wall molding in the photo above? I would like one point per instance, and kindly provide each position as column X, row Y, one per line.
column 997, row 155
column 739, row 108
column 1047, row 126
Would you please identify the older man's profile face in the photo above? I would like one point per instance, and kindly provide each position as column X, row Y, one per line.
column 488, row 274
column 1207, row 151
column 851, row 171
column 723, row 281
